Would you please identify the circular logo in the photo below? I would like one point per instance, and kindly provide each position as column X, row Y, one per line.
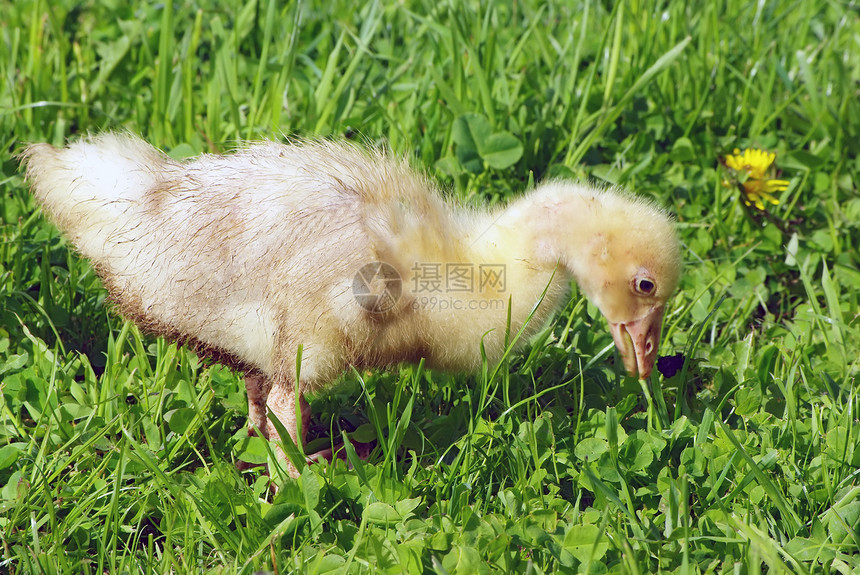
column 377, row 287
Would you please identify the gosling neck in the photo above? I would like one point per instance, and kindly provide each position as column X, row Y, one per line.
column 559, row 225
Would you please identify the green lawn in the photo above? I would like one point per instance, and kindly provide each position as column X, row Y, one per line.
column 118, row 451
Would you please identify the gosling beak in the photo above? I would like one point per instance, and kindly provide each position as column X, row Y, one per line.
column 637, row 342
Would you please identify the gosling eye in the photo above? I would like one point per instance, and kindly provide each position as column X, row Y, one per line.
column 644, row 285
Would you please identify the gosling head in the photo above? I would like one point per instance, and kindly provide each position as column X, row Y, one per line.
column 635, row 285
column 624, row 254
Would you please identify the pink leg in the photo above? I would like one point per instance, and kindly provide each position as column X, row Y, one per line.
column 257, row 388
column 280, row 398
column 266, row 395
column 282, row 402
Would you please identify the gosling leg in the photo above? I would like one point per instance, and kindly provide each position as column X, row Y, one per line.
column 281, row 402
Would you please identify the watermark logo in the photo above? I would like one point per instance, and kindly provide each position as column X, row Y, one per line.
column 429, row 278
column 377, row 287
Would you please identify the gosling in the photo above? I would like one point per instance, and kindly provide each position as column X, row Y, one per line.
column 346, row 257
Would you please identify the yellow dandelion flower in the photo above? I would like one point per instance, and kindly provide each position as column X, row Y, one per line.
column 753, row 167
column 754, row 191
column 754, row 162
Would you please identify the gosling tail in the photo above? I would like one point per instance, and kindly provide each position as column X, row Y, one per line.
column 94, row 189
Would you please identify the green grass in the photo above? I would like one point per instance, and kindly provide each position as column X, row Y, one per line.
column 118, row 451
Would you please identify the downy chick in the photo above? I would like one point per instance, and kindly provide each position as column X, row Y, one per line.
column 347, row 254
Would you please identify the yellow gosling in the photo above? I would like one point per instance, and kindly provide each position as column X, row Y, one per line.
column 347, row 253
